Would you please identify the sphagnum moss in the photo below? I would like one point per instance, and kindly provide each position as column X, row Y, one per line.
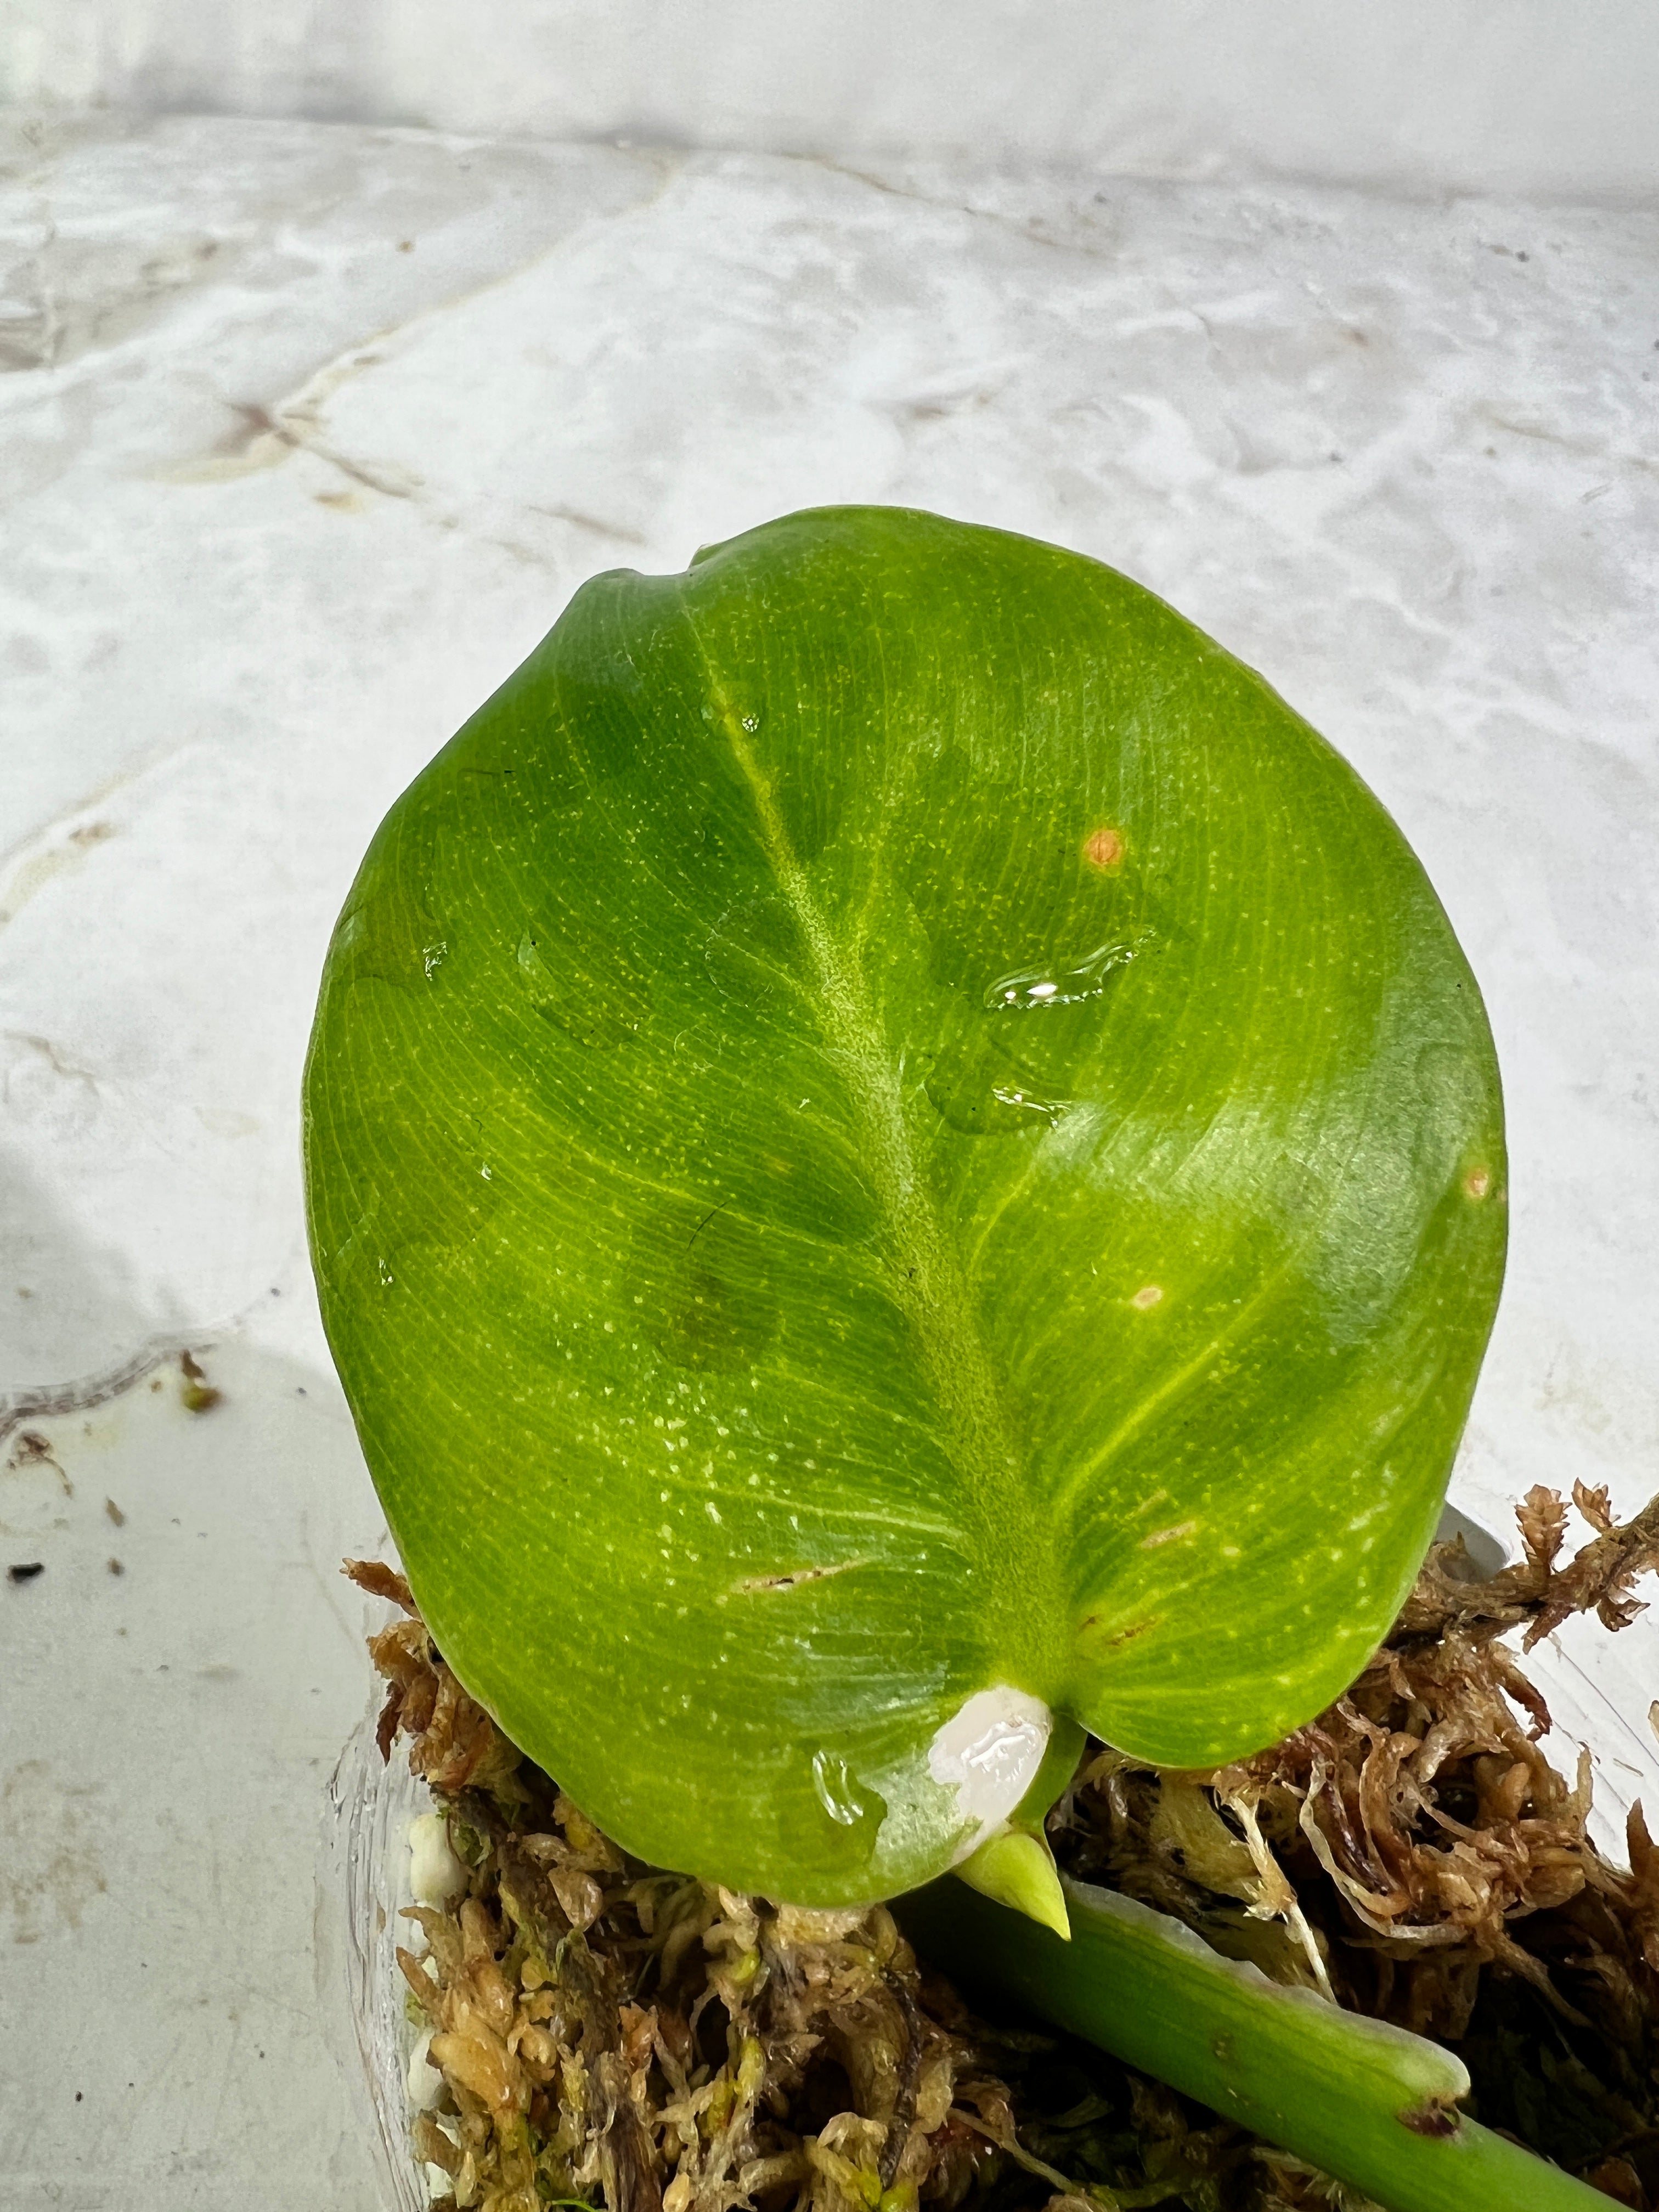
column 603, row 2029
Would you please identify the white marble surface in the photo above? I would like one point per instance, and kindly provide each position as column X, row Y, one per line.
column 307, row 434
column 1508, row 95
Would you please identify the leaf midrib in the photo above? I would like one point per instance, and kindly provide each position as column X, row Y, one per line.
column 931, row 1286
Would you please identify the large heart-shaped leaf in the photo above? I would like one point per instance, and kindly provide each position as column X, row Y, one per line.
column 889, row 1132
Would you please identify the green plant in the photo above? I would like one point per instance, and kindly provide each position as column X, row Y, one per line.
column 1369, row 2104
column 903, row 1163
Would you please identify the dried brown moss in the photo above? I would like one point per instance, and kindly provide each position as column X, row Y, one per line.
column 606, row 2030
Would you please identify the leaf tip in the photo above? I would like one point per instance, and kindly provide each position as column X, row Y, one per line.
column 1018, row 1869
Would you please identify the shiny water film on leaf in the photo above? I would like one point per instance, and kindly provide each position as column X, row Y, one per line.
column 887, row 1129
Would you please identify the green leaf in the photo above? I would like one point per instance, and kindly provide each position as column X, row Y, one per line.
column 889, row 1132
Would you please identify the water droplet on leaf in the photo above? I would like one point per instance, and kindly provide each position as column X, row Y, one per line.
column 1062, row 984
column 598, row 1003
column 755, row 953
column 836, row 1791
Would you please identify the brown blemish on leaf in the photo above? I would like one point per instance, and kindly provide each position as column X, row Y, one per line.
column 1103, row 848
column 1148, row 1295
column 756, row 1583
column 1168, row 1536
column 1122, row 1635
column 1478, row 1181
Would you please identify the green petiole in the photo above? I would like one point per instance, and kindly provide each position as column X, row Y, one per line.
column 1369, row 2104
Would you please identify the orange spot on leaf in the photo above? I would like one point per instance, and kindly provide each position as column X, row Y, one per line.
column 1103, row 848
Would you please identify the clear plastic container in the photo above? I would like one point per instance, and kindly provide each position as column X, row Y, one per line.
column 364, row 1887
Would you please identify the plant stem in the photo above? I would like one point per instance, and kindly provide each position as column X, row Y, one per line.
column 1369, row 2104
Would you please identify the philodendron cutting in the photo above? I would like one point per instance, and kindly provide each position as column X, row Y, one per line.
column 903, row 1164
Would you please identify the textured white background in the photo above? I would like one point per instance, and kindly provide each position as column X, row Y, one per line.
column 1521, row 95
column 306, row 434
